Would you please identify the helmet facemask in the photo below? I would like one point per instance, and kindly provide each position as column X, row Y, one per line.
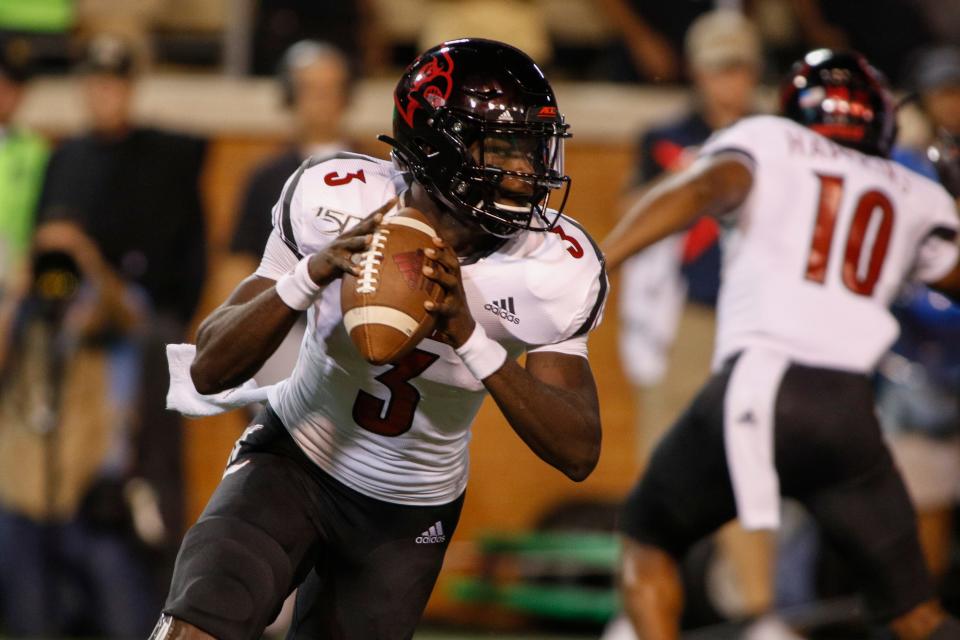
column 509, row 174
column 495, row 174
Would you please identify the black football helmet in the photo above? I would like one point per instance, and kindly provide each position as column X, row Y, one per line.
column 465, row 104
column 841, row 96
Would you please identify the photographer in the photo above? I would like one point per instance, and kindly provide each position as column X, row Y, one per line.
column 68, row 383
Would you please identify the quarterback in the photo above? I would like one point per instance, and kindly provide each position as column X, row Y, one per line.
column 349, row 484
column 821, row 231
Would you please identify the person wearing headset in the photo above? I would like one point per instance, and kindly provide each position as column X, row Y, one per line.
column 315, row 80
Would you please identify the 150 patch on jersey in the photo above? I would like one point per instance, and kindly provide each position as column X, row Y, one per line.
column 333, row 222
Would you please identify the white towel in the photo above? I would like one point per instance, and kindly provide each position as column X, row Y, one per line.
column 184, row 398
column 748, row 433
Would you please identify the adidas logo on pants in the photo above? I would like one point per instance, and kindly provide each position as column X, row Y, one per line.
column 433, row 535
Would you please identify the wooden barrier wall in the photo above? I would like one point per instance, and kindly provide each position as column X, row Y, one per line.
column 509, row 487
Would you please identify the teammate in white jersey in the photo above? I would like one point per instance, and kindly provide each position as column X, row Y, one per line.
column 350, row 483
column 822, row 230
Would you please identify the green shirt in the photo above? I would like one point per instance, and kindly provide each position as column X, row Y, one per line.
column 46, row 16
column 23, row 161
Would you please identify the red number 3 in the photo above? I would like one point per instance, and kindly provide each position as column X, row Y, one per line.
column 574, row 249
column 393, row 417
column 334, row 179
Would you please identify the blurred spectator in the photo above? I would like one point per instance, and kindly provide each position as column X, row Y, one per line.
column 920, row 413
column 133, row 20
column 23, row 159
column 942, row 18
column 38, row 16
column 827, row 23
column 67, row 389
column 347, row 24
column 135, row 192
column 724, row 53
column 652, row 35
column 516, row 22
column 918, row 381
column 937, row 83
column 316, row 81
column 672, row 287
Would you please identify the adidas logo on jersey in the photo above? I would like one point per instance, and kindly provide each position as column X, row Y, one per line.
column 503, row 308
column 433, row 535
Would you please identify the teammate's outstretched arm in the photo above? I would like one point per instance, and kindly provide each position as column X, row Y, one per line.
column 711, row 186
column 236, row 339
column 551, row 404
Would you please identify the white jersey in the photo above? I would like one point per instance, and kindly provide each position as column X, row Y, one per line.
column 822, row 245
column 399, row 433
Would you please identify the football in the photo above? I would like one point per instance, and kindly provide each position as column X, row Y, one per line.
column 383, row 308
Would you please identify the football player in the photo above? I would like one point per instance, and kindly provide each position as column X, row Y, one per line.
column 821, row 231
column 352, row 479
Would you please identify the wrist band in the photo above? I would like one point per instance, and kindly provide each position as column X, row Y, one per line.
column 481, row 355
column 297, row 289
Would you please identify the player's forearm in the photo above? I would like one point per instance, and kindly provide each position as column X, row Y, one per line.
column 558, row 425
column 711, row 187
column 236, row 339
column 667, row 208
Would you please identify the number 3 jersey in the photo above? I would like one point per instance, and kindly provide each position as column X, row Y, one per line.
column 822, row 245
column 399, row 433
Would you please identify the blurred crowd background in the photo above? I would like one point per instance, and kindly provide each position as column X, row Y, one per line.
column 142, row 146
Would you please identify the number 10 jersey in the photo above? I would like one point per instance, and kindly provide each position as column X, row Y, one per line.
column 823, row 243
column 399, row 433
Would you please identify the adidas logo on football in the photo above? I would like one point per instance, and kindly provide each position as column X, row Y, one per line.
column 503, row 308
column 433, row 535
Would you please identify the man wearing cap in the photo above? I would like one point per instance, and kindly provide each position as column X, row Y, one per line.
column 936, row 85
column 724, row 52
column 23, row 158
column 672, row 287
column 315, row 80
column 135, row 192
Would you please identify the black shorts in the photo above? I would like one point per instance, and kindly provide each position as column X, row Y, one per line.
column 829, row 455
column 276, row 520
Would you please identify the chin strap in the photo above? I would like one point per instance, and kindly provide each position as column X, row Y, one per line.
column 414, row 161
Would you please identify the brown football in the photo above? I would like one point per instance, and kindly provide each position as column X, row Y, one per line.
column 383, row 308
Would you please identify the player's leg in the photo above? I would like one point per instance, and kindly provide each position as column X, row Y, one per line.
column 256, row 539
column 685, row 494
column 871, row 521
column 375, row 580
column 652, row 590
column 831, row 456
column 751, row 556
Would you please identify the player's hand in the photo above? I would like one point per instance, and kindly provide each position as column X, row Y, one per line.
column 337, row 258
column 454, row 322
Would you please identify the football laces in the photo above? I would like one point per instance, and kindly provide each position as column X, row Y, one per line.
column 370, row 262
